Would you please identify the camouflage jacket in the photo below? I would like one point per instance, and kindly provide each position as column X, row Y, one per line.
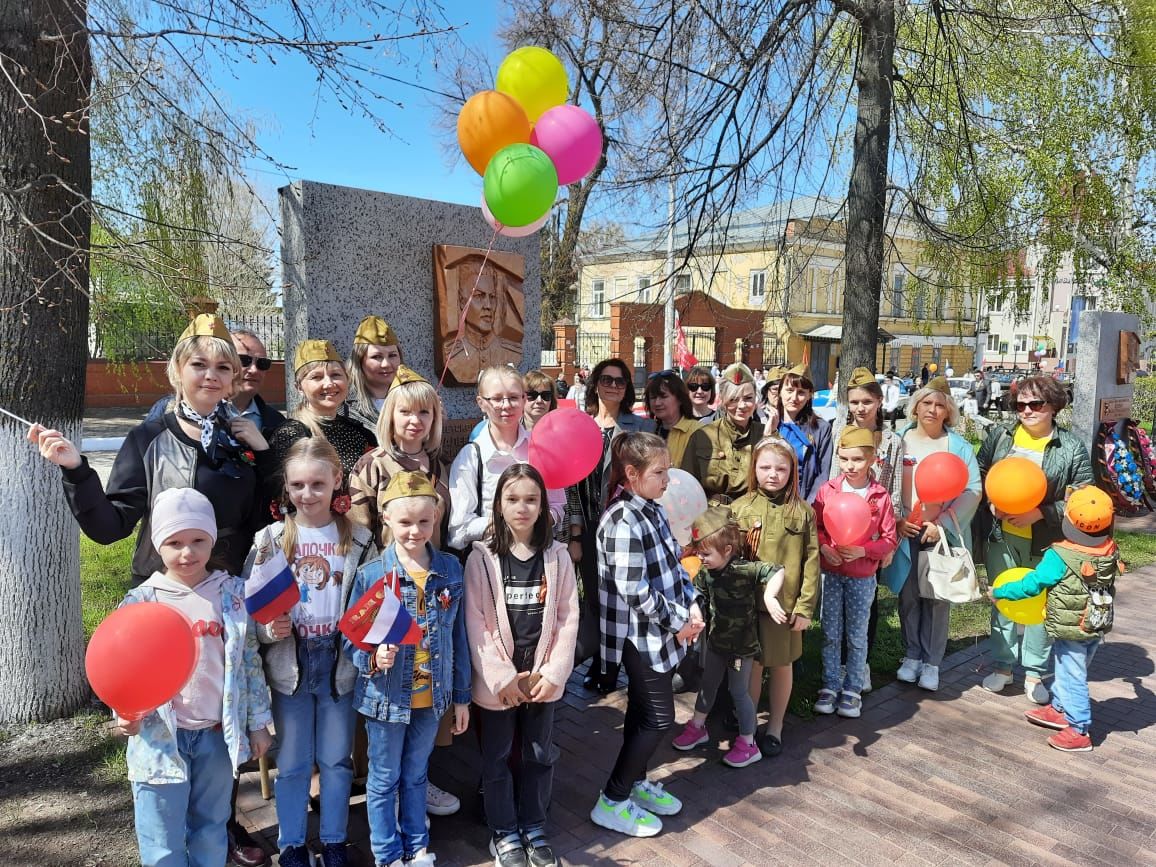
column 732, row 596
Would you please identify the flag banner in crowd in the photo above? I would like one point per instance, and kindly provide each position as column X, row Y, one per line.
column 683, row 357
column 378, row 617
column 271, row 588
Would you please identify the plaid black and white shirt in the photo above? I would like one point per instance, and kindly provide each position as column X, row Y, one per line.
column 643, row 592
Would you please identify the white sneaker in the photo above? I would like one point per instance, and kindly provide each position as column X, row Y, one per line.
column 929, row 677
column 996, row 681
column 439, row 802
column 422, row 858
column 1035, row 690
column 866, row 679
column 653, row 798
column 909, row 670
column 625, row 817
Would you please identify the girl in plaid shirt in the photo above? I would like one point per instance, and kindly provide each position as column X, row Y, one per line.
column 648, row 614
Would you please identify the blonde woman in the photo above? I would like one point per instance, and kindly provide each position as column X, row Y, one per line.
column 372, row 366
column 320, row 379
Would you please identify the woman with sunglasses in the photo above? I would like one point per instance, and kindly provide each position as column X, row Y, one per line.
column 1021, row 540
column 668, row 403
column 541, row 399
column 719, row 453
column 700, row 384
column 610, row 399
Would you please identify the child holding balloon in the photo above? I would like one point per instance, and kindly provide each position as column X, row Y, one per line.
column 780, row 528
column 183, row 755
column 856, row 527
column 311, row 680
column 1079, row 574
column 522, row 620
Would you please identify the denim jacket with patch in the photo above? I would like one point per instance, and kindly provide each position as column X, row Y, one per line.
column 152, row 755
column 386, row 695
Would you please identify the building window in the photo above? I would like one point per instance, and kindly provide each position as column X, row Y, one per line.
column 758, row 286
column 897, row 297
column 681, row 284
column 640, row 352
column 995, row 305
column 619, row 288
column 993, row 343
column 598, row 288
column 813, row 290
column 1003, row 347
column 643, row 290
column 1021, row 343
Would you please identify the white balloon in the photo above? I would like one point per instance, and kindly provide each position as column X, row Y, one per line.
column 950, row 372
column 512, row 231
column 683, row 501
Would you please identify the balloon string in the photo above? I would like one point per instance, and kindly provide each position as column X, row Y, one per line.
column 458, row 342
column 15, row 416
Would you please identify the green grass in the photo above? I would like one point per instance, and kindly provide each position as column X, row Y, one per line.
column 105, row 576
column 1136, row 549
column 108, row 762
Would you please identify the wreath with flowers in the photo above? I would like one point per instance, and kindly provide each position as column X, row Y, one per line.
column 1142, row 447
column 1119, row 470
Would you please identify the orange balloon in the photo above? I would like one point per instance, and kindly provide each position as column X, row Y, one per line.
column 488, row 122
column 692, row 564
column 1016, row 485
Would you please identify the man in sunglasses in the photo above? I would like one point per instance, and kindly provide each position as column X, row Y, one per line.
column 255, row 363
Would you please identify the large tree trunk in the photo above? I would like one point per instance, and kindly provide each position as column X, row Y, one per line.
column 45, row 183
column 867, row 191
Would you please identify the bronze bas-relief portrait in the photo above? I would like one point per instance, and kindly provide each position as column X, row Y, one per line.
column 494, row 323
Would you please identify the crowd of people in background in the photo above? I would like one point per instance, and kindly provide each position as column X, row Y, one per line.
column 510, row 585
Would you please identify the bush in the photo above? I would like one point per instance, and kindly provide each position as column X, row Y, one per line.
column 1144, row 399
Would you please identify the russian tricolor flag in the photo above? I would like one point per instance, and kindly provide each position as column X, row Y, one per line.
column 271, row 588
column 379, row 617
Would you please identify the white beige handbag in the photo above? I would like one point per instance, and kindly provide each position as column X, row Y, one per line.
column 950, row 572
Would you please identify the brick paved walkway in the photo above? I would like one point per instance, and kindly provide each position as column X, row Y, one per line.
column 953, row 777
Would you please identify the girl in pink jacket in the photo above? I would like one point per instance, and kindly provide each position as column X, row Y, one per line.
column 522, row 619
column 849, row 573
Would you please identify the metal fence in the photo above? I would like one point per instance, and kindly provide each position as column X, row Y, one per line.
column 593, row 348
column 134, row 332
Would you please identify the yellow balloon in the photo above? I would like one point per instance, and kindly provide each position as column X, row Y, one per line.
column 1028, row 612
column 933, row 367
column 535, row 78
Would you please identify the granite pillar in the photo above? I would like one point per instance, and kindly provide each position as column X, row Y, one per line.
column 1096, row 364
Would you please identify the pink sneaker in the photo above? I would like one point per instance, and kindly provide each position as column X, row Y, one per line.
column 690, row 736
column 742, row 754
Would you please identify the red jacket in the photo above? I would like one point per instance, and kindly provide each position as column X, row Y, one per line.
column 883, row 539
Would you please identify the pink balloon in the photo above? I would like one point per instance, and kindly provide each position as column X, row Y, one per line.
column 571, row 138
column 512, row 231
column 847, row 518
column 565, row 447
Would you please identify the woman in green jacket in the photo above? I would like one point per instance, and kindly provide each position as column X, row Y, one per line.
column 1021, row 540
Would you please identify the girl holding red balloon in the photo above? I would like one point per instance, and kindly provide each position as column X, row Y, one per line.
column 780, row 528
column 1028, row 468
column 856, row 527
column 184, row 748
column 941, row 490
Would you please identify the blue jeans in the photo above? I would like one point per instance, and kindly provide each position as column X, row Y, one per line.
column 845, row 612
column 183, row 824
column 313, row 726
column 1070, row 689
column 398, row 760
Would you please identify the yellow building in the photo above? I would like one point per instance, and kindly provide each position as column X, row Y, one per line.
column 785, row 260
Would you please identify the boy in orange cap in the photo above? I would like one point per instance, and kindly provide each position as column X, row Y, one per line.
column 1079, row 573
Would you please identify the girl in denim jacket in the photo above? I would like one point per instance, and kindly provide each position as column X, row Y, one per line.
column 402, row 691
column 183, row 756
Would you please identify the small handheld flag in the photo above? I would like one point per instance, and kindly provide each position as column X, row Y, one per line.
column 378, row 617
column 271, row 589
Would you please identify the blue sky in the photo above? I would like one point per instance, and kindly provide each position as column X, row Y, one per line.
column 323, row 141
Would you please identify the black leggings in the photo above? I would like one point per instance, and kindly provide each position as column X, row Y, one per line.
column 649, row 713
column 589, row 645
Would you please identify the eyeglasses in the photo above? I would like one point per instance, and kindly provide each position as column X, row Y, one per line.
column 505, row 400
column 262, row 363
column 532, row 395
column 1033, row 405
column 612, row 381
column 699, row 386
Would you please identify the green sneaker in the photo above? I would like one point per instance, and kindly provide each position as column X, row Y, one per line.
column 652, row 797
column 625, row 817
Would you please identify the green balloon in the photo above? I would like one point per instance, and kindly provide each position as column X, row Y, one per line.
column 520, row 184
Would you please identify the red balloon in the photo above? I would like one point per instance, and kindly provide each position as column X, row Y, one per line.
column 565, row 447
column 140, row 657
column 940, row 478
column 847, row 518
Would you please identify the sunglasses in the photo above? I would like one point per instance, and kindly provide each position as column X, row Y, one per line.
column 699, row 386
column 612, row 381
column 1033, row 405
column 539, row 395
column 262, row 363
